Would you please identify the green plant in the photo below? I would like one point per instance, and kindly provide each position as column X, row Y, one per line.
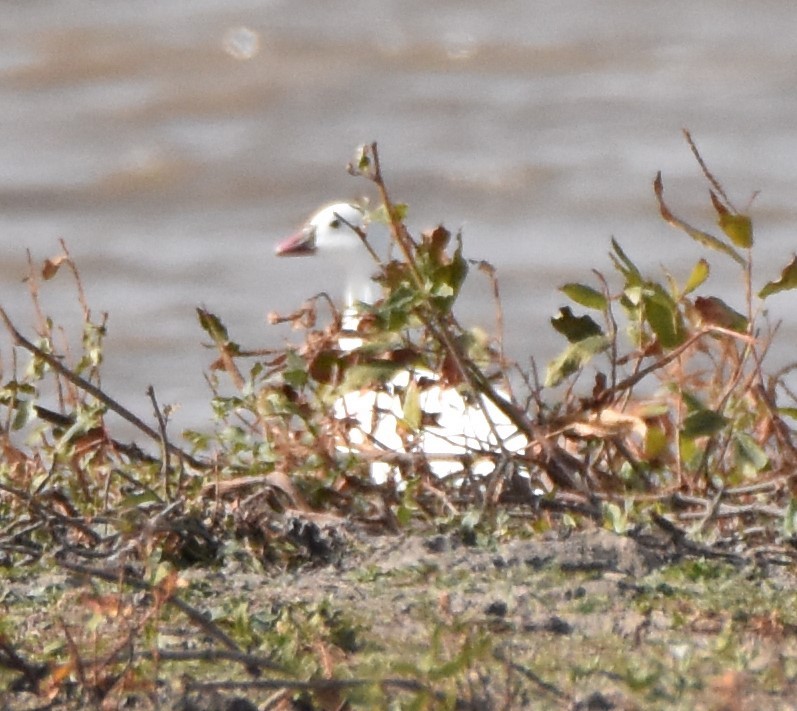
column 681, row 429
column 714, row 420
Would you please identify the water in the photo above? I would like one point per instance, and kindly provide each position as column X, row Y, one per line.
column 171, row 144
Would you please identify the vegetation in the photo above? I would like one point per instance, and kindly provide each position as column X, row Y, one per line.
column 658, row 420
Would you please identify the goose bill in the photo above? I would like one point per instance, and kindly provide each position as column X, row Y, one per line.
column 297, row 245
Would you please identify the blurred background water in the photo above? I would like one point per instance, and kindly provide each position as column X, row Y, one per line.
column 170, row 144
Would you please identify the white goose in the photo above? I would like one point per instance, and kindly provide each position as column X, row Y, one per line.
column 461, row 431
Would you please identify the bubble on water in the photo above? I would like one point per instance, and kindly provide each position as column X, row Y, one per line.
column 241, row 42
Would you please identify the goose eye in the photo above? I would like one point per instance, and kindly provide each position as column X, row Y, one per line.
column 334, row 224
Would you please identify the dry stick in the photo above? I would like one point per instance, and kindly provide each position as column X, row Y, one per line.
column 706, row 172
column 11, row 659
column 78, row 283
column 471, row 375
column 557, row 463
column 93, row 390
column 251, row 661
column 730, row 511
column 44, row 325
column 611, row 323
column 318, row 685
column 680, row 539
column 711, row 512
column 33, row 502
column 739, row 371
column 360, row 232
column 59, row 420
column 489, row 270
column 74, row 654
column 164, row 441
column 501, row 655
column 748, row 264
column 632, row 380
column 114, row 576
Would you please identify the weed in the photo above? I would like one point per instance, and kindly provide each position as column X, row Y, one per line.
column 658, row 417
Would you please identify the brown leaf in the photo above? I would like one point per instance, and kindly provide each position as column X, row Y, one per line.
column 450, row 373
column 51, row 266
column 716, row 312
column 437, row 240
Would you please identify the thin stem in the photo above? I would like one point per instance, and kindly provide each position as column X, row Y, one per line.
column 93, row 390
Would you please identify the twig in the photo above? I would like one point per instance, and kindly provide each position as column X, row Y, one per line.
column 360, row 232
column 251, row 661
column 611, row 323
column 318, row 685
column 475, row 379
column 711, row 511
column 34, row 502
column 554, row 460
column 11, row 659
column 706, row 172
column 680, row 539
column 632, row 380
column 729, row 511
column 546, row 686
column 93, row 390
column 116, row 575
column 164, row 441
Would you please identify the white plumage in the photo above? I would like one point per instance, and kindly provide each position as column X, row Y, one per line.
column 457, row 434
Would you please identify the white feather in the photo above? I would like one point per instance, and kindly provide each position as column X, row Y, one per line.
column 462, row 434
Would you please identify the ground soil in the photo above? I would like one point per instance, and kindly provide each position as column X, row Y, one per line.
column 581, row 620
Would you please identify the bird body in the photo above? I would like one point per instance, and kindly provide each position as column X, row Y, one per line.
column 414, row 412
column 451, row 434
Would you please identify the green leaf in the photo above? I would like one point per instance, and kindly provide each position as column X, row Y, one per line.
column 661, row 312
column 689, row 452
column 739, row 228
column 750, row 453
column 363, row 159
column 699, row 274
column 624, row 264
column 411, row 409
column 703, row 423
column 655, row 443
column 380, row 214
column 616, row 517
column 213, row 326
column 133, row 501
column 295, row 371
column 633, row 295
column 24, row 412
column 692, row 402
column 786, row 281
column 586, row 296
column 574, row 358
column 575, row 328
column 368, row 374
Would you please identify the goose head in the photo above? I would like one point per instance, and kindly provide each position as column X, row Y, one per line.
column 331, row 234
